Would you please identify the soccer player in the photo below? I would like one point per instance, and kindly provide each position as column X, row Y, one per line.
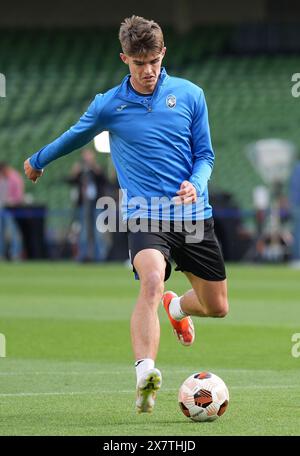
column 161, row 147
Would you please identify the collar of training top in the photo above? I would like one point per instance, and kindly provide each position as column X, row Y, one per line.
column 125, row 92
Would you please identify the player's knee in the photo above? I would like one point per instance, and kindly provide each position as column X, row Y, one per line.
column 153, row 285
column 220, row 309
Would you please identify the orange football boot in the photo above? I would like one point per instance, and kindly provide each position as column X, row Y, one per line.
column 183, row 329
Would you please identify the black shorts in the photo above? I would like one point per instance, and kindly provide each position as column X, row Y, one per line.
column 203, row 259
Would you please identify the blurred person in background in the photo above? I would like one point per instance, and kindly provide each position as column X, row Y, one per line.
column 11, row 196
column 294, row 200
column 90, row 183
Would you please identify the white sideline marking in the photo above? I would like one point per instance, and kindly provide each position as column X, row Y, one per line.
column 104, row 372
column 60, row 393
column 2, row 346
column 79, row 393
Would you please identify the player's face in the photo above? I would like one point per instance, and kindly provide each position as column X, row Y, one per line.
column 144, row 70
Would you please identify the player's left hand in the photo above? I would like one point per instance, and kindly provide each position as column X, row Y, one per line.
column 187, row 193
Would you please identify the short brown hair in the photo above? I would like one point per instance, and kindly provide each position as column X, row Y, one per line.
column 139, row 36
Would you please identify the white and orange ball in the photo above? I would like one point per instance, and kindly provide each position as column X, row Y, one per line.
column 203, row 397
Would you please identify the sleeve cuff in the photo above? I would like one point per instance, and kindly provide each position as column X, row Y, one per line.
column 34, row 165
column 197, row 186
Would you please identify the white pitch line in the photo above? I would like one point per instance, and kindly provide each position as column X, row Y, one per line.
column 102, row 372
column 79, row 393
column 60, row 393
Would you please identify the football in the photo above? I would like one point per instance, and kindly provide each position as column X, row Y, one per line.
column 203, row 397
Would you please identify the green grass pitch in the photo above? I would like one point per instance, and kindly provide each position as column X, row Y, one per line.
column 69, row 370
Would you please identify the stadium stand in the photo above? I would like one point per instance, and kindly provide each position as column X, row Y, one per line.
column 52, row 75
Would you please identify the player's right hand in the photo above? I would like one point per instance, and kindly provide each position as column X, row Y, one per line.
column 187, row 193
column 30, row 172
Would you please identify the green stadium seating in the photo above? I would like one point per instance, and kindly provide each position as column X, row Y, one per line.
column 53, row 75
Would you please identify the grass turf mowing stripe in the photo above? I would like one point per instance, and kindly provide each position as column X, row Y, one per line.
column 69, row 366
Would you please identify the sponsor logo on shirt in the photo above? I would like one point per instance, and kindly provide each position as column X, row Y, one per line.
column 120, row 108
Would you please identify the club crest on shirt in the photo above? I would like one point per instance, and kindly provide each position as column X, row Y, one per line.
column 171, row 101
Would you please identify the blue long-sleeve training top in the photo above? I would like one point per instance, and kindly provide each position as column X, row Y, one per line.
column 156, row 142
